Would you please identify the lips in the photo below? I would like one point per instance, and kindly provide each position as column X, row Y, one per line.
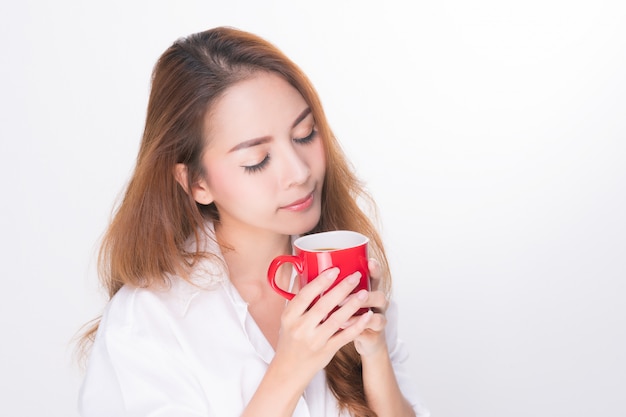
column 301, row 204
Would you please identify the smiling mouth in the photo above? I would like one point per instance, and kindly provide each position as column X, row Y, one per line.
column 300, row 205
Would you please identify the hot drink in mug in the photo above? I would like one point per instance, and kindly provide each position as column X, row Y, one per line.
column 315, row 253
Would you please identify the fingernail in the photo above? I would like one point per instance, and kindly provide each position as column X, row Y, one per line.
column 332, row 274
column 354, row 278
column 347, row 323
column 366, row 317
column 362, row 295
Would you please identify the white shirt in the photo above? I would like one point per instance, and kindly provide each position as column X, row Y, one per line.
column 195, row 351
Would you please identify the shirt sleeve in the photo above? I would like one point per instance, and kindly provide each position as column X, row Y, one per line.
column 132, row 375
column 399, row 355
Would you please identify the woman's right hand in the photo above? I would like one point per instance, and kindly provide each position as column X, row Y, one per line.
column 310, row 337
column 308, row 340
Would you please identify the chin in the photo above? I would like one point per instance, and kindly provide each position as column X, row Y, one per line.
column 306, row 224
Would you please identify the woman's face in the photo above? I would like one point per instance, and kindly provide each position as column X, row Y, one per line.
column 264, row 161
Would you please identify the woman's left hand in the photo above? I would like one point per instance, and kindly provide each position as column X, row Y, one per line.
column 372, row 339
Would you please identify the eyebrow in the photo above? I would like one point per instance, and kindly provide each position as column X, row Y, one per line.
column 264, row 139
column 301, row 117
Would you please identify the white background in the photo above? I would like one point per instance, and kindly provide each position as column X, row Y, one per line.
column 492, row 133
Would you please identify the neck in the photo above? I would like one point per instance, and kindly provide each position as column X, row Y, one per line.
column 248, row 253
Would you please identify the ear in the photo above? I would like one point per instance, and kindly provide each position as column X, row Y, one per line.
column 199, row 189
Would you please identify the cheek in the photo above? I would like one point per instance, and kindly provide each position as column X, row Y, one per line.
column 222, row 183
column 232, row 188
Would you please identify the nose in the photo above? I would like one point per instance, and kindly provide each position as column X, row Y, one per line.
column 294, row 167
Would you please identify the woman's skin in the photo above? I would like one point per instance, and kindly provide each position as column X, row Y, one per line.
column 264, row 168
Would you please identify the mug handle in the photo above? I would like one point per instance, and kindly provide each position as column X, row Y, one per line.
column 276, row 263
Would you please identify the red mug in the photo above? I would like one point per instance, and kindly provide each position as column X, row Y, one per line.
column 315, row 253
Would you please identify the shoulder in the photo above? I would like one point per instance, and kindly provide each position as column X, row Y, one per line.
column 132, row 308
column 136, row 354
column 136, row 309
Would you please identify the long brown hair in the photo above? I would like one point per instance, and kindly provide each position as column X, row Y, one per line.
column 145, row 241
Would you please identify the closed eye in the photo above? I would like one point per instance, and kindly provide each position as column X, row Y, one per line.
column 307, row 139
column 251, row 169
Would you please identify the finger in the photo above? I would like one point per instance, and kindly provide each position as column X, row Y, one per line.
column 376, row 273
column 349, row 322
column 341, row 316
column 301, row 302
column 347, row 335
column 377, row 323
column 377, row 301
column 334, row 297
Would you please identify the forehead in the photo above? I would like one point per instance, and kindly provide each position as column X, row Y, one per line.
column 264, row 104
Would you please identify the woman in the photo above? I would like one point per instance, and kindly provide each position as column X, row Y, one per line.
column 236, row 159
